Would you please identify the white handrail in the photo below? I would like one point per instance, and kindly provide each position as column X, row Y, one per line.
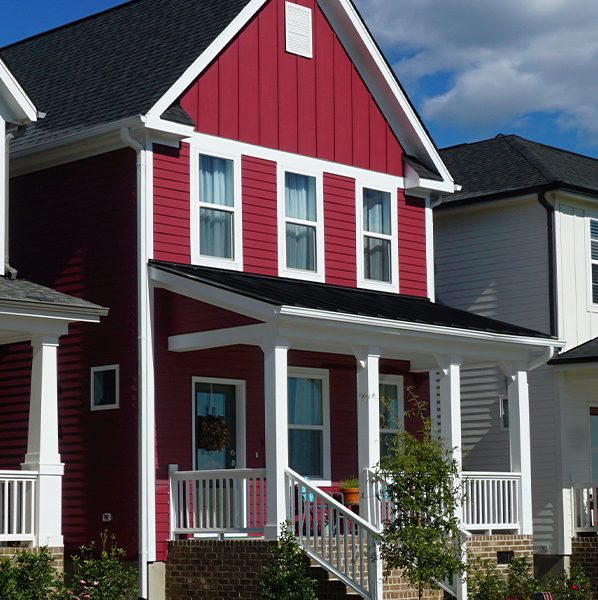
column 17, row 506
column 218, row 501
column 335, row 537
column 585, row 511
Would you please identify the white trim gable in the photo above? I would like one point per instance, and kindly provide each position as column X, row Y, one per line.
column 368, row 60
column 13, row 99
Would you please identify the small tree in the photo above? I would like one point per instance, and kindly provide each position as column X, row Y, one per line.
column 286, row 578
column 422, row 537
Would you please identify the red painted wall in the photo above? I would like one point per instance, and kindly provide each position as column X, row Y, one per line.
column 73, row 228
column 413, row 272
column 258, row 93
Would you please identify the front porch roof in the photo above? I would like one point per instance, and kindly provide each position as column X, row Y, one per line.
column 584, row 353
column 315, row 316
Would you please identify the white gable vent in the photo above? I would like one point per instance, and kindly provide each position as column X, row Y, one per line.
column 299, row 30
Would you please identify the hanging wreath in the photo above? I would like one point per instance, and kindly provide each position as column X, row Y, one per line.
column 213, row 433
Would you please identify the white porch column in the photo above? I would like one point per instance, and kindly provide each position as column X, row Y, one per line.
column 519, row 433
column 368, row 418
column 276, row 428
column 42, row 444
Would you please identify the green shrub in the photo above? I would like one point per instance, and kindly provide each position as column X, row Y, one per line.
column 576, row 586
column 286, row 578
column 100, row 573
column 485, row 582
column 520, row 582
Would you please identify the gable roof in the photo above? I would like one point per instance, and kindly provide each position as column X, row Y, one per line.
column 13, row 98
column 587, row 352
column 509, row 164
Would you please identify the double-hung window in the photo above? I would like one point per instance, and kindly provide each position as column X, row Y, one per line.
column 309, row 423
column 378, row 243
column 594, row 258
column 301, row 231
column 217, row 238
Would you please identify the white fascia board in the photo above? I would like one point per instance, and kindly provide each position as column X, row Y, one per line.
column 26, row 325
column 23, row 109
column 230, row 336
column 52, row 312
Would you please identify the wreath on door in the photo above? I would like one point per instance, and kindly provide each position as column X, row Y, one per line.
column 213, row 433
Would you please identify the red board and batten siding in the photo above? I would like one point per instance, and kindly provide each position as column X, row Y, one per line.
column 413, row 268
column 73, row 228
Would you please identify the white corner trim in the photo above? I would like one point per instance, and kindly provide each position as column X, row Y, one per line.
column 22, row 107
column 430, row 260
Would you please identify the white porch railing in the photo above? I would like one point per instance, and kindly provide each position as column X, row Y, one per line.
column 17, row 506
column 585, row 510
column 492, row 501
column 224, row 501
column 333, row 536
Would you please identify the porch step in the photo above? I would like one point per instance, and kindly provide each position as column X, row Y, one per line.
column 328, row 587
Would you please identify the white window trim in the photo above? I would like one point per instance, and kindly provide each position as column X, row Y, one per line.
column 399, row 382
column 116, row 404
column 236, row 263
column 362, row 282
column 324, row 376
column 593, row 305
column 319, row 274
column 241, row 417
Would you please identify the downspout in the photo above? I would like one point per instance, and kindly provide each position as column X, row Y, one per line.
column 141, row 347
column 551, row 259
column 9, row 272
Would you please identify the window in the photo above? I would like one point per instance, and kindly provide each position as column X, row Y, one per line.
column 504, row 411
column 309, row 423
column 391, row 411
column 104, row 387
column 301, row 235
column 594, row 258
column 298, row 22
column 216, row 238
column 377, row 214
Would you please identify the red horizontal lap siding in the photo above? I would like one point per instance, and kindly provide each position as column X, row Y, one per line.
column 258, row 93
column 172, row 204
column 260, row 240
column 73, row 227
column 413, row 271
column 339, row 230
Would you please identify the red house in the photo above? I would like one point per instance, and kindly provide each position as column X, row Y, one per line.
column 247, row 187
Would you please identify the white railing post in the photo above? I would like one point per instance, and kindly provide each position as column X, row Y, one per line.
column 174, row 498
column 368, row 419
column 276, row 426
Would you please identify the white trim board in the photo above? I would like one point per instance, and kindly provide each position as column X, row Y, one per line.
column 22, row 109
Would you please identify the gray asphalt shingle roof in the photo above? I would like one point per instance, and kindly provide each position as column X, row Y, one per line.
column 112, row 65
column 587, row 352
column 509, row 164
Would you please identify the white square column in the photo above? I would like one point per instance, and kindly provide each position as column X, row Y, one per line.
column 42, row 443
column 519, row 434
column 277, row 432
column 368, row 418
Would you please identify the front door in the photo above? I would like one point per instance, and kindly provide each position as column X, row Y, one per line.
column 216, row 399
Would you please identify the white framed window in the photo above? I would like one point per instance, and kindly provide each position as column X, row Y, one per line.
column 504, row 412
column 298, row 29
column 392, row 410
column 301, row 225
column 216, row 215
column 594, row 260
column 309, row 423
column 377, row 238
column 105, row 387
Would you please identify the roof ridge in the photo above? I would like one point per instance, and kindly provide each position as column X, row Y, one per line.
column 527, row 158
column 122, row 4
column 556, row 148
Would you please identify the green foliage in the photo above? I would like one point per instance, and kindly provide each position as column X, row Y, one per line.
column 520, row 582
column 350, row 482
column 30, row 577
column 575, row 586
column 485, row 581
column 100, row 573
column 422, row 537
column 286, row 578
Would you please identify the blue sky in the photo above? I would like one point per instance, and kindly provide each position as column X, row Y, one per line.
column 473, row 69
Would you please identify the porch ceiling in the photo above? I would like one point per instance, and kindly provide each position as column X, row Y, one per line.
column 336, row 319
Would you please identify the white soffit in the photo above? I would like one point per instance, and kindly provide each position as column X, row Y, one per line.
column 14, row 100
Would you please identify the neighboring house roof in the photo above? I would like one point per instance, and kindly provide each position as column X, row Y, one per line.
column 587, row 352
column 508, row 164
column 279, row 291
column 28, row 294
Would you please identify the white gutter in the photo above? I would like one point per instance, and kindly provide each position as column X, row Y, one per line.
column 541, row 360
column 145, row 385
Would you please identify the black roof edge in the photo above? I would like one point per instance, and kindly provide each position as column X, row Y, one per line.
column 568, row 361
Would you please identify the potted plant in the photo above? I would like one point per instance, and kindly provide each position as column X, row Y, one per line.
column 212, row 433
column 349, row 488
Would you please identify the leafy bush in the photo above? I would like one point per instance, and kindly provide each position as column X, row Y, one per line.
column 576, row 586
column 485, row 581
column 520, row 581
column 286, row 578
column 100, row 574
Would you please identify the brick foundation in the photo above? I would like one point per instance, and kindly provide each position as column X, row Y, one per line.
column 584, row 554
column 487, row 546
column 57, row 554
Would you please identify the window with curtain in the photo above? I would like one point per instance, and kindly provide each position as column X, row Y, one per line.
column 301, row 222
column 377, row 235
column 306, row 426
column 594, row 258
column 391, row 416
column 216, row 207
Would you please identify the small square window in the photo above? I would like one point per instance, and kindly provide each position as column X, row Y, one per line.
column 504, row 411
column 104, row 387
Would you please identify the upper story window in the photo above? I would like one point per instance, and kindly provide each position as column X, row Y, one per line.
column 377, row 262
column 301, row 233
column 594, row 258
column 216, row 239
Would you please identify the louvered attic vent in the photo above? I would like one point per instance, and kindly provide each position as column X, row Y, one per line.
column 299, row 30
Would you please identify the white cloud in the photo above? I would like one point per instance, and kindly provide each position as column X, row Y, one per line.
column 501, row 60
